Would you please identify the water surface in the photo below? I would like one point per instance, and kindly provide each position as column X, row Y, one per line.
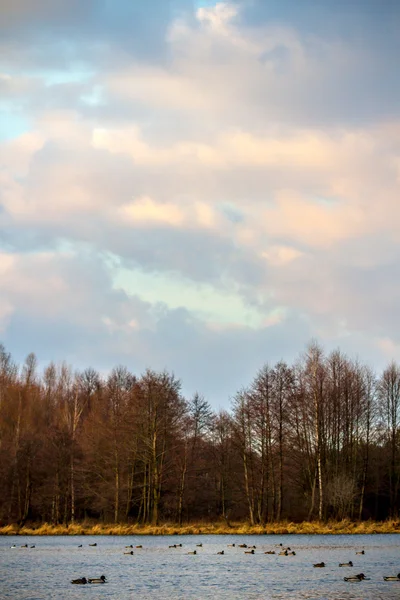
column 156, row 571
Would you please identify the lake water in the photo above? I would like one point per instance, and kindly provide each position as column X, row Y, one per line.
column 156, row 571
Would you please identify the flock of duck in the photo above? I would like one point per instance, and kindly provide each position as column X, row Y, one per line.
column 247, row 550
column 360, row 576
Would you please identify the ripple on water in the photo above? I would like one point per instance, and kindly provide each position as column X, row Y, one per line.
column 155, row 571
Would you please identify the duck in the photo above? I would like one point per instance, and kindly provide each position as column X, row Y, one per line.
column 173, row 546
column 283, row 553
column 101, row 579
column 249, row 551
column 33, row 546
column 349, row 564
column 139, row 546
column 132, row 546
column 80, row 581
column 194, row 552
column 319, row 565
column 80, row 546
column 255, row 547
column 24, row 546
column 392, row 578
column 199, row 545
column 355, row 578
column 361, row 552
column 130, row 552
column 231, row 545
column 13, row 546
column 93, row 544
column 222, row 552
column 291, row 553
column 270, row 552
column 242, row 545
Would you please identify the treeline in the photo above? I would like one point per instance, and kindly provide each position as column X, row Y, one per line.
column 316, row 439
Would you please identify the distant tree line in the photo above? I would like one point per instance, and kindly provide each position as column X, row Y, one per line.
column 316, row 439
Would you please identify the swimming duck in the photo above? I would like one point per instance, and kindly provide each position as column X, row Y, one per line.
column 242, row 545
column 222, row 552
column 231, row 545
column 392, row 578
column 139, row 546
column 93, row 544
column 249, row 551
column 132, row 546
column 283, row 553
column 173, row 546
column 101, row 579
column 199, row 545
column 194, row 552
column 270, row 552
column 361, row 552
column 33, row 546
column 349, row 564
column 355, row 578
column 24, row 546
column 131, row 552
column 13, row 546
column 319, row 565
column 291, row 553
column 81, row 581
column 255, row 547
column 80, row 546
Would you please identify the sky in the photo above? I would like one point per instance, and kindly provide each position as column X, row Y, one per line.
column 202, row 187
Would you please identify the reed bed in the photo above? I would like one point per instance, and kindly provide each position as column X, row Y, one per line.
column 281, row 528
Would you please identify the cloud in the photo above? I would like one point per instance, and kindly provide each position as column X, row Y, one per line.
column 146, row 211
column 203, row 198
column 74, row 313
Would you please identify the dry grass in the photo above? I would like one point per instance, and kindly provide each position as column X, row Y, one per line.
column 284, row 527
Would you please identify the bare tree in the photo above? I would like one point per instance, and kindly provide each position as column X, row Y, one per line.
column 319, row 438
column 389, row 395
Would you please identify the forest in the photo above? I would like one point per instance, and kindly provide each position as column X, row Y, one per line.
column 318, row 439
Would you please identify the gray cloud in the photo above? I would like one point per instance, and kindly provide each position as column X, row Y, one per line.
column 86, row 30
column 74, row 314
column 268, row 155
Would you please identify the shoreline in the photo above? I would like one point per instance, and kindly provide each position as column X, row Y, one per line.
column 171, row 529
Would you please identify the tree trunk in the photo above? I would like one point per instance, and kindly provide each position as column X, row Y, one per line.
column 318, row 451
column 116, row 482
column 72, row 475
column 363, row 484
column 14, row 481
column 28, row 494
column 155, row 475
column 312, row 505
column 280, row 489
column 129, row 501
column 247, row 487
column 182, row 490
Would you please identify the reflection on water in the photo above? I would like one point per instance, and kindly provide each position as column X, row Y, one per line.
column 157, row 571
